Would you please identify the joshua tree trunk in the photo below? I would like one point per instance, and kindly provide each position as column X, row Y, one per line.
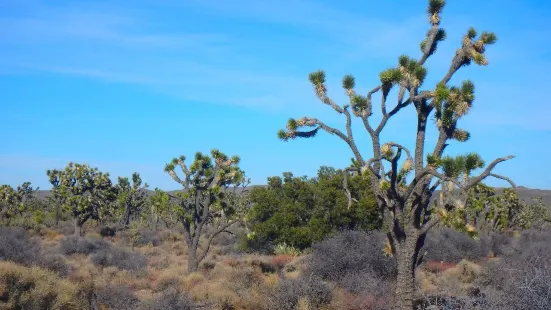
column 57, row 207
column 406, row 258
column 192, row 261
column 78, row 227
column 126, row 218
column 154, row 218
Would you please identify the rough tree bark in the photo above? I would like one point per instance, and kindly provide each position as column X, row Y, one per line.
column 78, row 227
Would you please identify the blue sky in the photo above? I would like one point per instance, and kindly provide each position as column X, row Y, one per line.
column 127, row 85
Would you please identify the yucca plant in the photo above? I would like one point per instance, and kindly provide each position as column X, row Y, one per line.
column 285, row 249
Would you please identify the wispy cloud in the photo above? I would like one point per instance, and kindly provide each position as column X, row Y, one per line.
column 126, row 45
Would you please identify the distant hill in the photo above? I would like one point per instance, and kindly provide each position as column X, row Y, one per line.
column 524, row 193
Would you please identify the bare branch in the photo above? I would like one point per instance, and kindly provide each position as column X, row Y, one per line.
column 431, row 35
column 386, row 117
column 328, row 101
column 497, row 176
column 345, row 185
column 399, row 146
column 212, row 236
column 473, row 181
column 370, row 162
column 175, row 177
column 430, row 224
column 350, row 138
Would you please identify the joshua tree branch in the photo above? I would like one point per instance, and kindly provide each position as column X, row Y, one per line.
column 497, row 176
column 431, row 35
column 369, row 165
column 328, row 101
column 212, row 236
column 430, row 224
column 345, row 185
column 473, row 181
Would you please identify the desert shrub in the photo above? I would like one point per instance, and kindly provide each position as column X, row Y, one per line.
column 106, row 231
column 116, row 298
column 79, row 245
column 279, row 261
column 119, row 257
column 16, row 246
column 227, row 243
column 449, row 245
column 56, row 263
column 352, row 254
column 208, row 265
column 244, row 279
column 265, row 267
column 170, row 299
column 521, row 279
column 289, row 293
column 140, row 237
column 36, row 288
column 437, row 266
column 66, row 228
column 499, row 243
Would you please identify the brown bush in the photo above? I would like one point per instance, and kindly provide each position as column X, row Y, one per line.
column 281, row 260
column 36, row 288
column 437, row 266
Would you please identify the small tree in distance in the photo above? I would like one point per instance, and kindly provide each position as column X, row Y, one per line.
column 131, row 196
column 405, row 204
column 204, row 200
column 13, row 201
column 86, row 192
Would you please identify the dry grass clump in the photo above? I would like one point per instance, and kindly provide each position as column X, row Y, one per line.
column 36, row 288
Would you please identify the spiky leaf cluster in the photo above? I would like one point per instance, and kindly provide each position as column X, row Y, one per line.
column 293, row 127
column 318, row 81
column 412, row 73
column 473, row 49
column 389, row 78
column 460, row 166
column 434, row 10
column 450, row 105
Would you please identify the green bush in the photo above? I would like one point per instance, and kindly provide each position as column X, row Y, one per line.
column 300, row 211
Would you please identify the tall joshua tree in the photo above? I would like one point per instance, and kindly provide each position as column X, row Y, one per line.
column 204, row 199
column 404, row 187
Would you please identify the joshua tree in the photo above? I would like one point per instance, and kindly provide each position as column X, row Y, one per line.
column 487, row 211
column 86, row 192
column 13, row 201
column 204, row 199
column 160, row 205
column 54, row 177
column 131, row 197
column 405, row 203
